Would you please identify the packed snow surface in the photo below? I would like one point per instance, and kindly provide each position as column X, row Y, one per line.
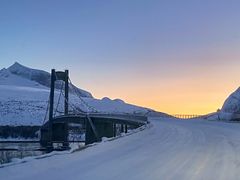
column 170, row 149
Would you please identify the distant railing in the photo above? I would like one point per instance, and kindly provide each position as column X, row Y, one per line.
column 187, row 116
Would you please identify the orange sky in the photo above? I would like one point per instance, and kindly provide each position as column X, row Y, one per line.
column 197, row 89
column 186, row 97
column 172, row 56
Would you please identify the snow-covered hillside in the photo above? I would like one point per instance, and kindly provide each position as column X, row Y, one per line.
column 24, row 98
column 7, row 78
column 40, row 76
column 230, row 109
column 232, row 103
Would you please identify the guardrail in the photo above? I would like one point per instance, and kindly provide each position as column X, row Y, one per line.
column 187, row 116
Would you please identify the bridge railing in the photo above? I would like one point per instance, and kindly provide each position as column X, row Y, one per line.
column 124, row 118
column 187, row 116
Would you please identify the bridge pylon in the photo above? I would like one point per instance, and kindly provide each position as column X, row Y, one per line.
column 56, row 129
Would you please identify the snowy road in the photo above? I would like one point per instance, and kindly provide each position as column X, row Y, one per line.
column 171, row 149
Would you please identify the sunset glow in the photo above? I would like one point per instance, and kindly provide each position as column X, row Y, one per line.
column 173, row 57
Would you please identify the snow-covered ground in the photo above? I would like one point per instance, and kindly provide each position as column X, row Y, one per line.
column 170, row 149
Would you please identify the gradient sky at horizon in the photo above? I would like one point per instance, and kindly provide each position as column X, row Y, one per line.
column 173, row 56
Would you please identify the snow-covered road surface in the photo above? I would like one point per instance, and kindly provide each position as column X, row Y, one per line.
column 170, row 149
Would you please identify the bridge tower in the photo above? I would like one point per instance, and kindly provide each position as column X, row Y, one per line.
column 56, row 131
column 58, row 75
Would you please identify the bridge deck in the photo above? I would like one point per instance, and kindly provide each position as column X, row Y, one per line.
column 115, row 118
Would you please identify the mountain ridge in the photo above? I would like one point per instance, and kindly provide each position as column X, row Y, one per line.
column 40, row 76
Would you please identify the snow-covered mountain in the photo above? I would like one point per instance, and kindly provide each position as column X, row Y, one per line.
column 8, row 78
column 39, row 76
column 232, row 103
column 230, row 109
column 24, row 94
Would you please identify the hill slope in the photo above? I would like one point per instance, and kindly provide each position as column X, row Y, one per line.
column 230, row 109
column 232, row 103
column 39, row 76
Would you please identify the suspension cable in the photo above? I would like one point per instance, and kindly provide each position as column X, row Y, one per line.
column 59, row 97
column 45, row 116
column 73, row 106
column 89, row 108
column 66, row 100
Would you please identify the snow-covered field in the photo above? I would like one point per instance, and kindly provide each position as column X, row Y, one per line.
column 170, row 149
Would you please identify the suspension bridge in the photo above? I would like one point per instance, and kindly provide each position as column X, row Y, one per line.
column 94, row 123
column 63, row 112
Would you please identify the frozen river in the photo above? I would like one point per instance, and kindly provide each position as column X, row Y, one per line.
column 18, row 150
